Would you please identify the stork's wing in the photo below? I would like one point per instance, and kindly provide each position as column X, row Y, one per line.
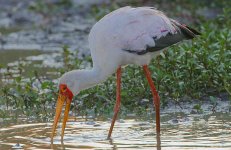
column 144, row 29
column 182, row 32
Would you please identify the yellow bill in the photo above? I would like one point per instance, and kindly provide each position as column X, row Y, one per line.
column 64, row 97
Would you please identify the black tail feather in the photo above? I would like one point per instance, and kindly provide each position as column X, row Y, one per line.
column 193, row 30
column 187, row 31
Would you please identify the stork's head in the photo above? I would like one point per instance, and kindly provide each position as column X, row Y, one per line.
column 68, row 87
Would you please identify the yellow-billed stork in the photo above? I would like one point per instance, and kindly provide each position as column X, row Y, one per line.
column 125, row 36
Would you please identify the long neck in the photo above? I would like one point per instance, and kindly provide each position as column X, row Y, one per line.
column 91, row 77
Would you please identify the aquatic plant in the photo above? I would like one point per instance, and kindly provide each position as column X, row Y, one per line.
column 196, row 69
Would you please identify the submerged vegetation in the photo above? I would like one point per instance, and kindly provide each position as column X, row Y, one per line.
column 190, row 70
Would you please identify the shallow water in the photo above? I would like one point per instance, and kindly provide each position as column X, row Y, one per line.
column 207, row 132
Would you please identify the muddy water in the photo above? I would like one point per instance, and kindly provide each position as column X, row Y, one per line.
column 207, row 132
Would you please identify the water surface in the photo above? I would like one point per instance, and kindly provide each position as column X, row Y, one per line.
column 197, row 132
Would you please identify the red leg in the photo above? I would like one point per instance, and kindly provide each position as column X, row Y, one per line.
column 156, row 98
column 117, row 106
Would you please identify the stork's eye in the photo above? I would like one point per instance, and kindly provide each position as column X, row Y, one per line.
column 64, row 89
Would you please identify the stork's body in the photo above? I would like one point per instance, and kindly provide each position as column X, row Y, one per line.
column 125, row 36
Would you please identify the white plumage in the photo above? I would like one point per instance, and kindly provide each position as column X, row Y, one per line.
column 125, row 36
column 124, row 29
column 127, row 28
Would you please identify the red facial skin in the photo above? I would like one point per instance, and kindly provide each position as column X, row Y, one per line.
column 64, row 90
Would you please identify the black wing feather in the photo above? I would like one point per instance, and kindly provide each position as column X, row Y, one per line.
column 183, row 32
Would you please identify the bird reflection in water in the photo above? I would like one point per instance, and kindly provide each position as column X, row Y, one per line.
column 111, row 142
column 158, row 143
